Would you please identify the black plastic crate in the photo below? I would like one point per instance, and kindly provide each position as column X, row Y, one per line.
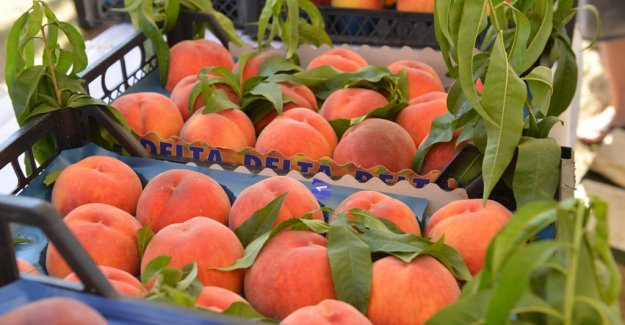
column 380, row 27
column 92, row 13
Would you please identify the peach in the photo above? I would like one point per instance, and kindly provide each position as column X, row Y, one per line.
column 122, row 281
column 180, row 95
column 217, row 299
column 342, row 59
column 117, row 185
column 24, row 266
column 230, row 129
column 178, row 195
column 253, row 64
column 327, row 312
column 422, row 78
column 358, row 4
column 469, row 226
column 188, row 57
column 409, row 293
column 202, row 240
column 292, row 271
column 417, row 117
column 294, row 96
column 348, row 103
column 298, row 131
column 148, row 112
column 298, row 202
column 384, row 207
column 107, row 233
column 441, row 154
column 426, row 6
column 54, row 311
column 376, row 142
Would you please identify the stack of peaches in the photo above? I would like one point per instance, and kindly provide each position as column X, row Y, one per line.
column 104, row 204
column 305, row 124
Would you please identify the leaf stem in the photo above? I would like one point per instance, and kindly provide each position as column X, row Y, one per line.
column 571, row 278
column 55, row 83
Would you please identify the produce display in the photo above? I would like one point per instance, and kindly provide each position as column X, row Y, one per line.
column 291, row 248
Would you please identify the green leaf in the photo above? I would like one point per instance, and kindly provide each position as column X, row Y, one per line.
column 144, row 236
column 172, row 11
column 276, row 64
column 19, row 240
column 539, row 82
column 442, row 130
column 565, row 78
column 260, row 222
column 545, row 125
column 177, row 297
column 537, row 172
column 14, row 61
column 154, row 267
column 504, row 97
column 79, row 54
column 270, row 92
column 543, row 18
column 52, row 176
column 376, row 77
column 464, row 311
column 189, row 274
column 350, row 264
column 22, row 91
column 291, row 30
column 243, row 310
column 340, row 126
column 153, row 33
column 518, row 50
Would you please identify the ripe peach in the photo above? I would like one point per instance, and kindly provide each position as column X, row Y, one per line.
column 252, row 66
column 348, row 103
column 422, row 78
column 298, row 202
column 150, row 112
column 425, row 6
column 376, row 142
column 358, row 4
column 298, row 131
column 417, row 117
column 107, row 233
column 54, row 311
column 98, row 179
column 230, row 129
column 292, row 271
column 178, row 195
column 122, row 281
column 469, row 227
column 383, row 206
column 294, row 96
column 180, row 95
column 327, row 312
column 204, row 241
column 24, row 266
column 188, row 57
column 396, row 287
column 217, row 299
column 342, row 59
column 441, row 154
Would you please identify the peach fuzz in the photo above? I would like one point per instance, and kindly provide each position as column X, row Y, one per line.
column 426, row 6
column 202, row 240
column 409, row 293
column 292, row 271
column 417, row 117
column 422, row 78
column 217, row 299
column 53, row 311
column 188, row 57
column 24, row 266
column 231, row 129
column 469, row 226
column 298, row 131
column 178, row 195
column 298, row 201
column 253, row 64
column 107, row 233
column 358, row 4
column 122, row 281
column 294, row 96
column 180, row 95
column 342, row 59
column 441, row 154
column 117, row 185
column 348, row 103
column 327, row 312
column 376, row 142
column 147, row 112
column 384, row 207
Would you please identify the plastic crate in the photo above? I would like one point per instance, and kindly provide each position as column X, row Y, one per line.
column 92, row 13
